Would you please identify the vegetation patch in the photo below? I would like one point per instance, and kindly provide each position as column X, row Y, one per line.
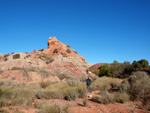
column 48, row 108
column 64, row 54
column 16, row 56
column 68, row 50
column 55, row 51
column 140, row 87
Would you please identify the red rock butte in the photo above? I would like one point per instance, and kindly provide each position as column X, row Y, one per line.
column 58, row 59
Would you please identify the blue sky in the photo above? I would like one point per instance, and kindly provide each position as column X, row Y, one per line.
column 99, row 30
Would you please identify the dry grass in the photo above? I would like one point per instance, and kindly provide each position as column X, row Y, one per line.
column 105, row 83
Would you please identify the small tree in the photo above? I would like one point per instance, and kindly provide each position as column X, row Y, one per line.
column 105, row 71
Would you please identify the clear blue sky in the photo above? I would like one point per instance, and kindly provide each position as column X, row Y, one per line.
column 99, row 30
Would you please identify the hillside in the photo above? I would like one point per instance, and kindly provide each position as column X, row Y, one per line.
column 57, row 60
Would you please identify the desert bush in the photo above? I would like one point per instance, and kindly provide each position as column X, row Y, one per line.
column 6, row 55
column 4, row 102
column 41, row 50
column 12, row 53
column 57, row 94
column 64, row 54
column 62, row 76
column 68, row 46
column 68, row 50
column 75, row 52
column 120, row 97
column 105, row 83
column 50, row 60
column 16, row 68
column 44, row 84
column 46, row 108
column 16, row 56
column 5, row 59
column 17, row 101
column 85, row 102
column 39, row 94
column 73, row 83
column 140, row 87
column 82, row 78
column 55, row 51
column 82, row 91
column 72, row 95
column 121, row 70
column 106, row 98
column 16, row 96
column 124, row 86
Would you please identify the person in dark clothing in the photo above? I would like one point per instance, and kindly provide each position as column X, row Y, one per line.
column 88, row 83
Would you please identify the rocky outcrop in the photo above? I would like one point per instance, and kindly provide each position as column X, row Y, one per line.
column 58, row 58
column 56, row 47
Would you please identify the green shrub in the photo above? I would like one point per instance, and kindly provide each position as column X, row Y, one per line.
column 57, row 94
column 120, row 97
column 17, row 101
column 96, row 73
column 75, row 52
column 121, row 70
column 41, row 50
column 106, row 98
column 140, row 87
column 46, row 108
column 68, row 50
column 140, row 64
column 105, row 71
column 55, row 51
column 50, row 60
column 39, row 94
column 73, row 83
column 85, row 102
column 6, row 55
column 82, row 91
column 124, row 86
column 44, row 84
column 62, row 76
column 16, row 56
column 4, row 102
column 64, row 54
column 68, row 46
column 72, row 95
column 105, row 83
column 16, row 68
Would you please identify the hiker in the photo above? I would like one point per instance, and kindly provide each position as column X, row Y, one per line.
column 88, row 81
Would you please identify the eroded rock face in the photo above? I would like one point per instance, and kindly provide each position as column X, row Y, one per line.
column 64, row 60
column 55, row 45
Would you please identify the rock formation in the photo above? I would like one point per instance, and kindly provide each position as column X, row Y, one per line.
column 57, row 59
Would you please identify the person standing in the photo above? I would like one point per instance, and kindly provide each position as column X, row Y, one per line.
column 88, row 81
